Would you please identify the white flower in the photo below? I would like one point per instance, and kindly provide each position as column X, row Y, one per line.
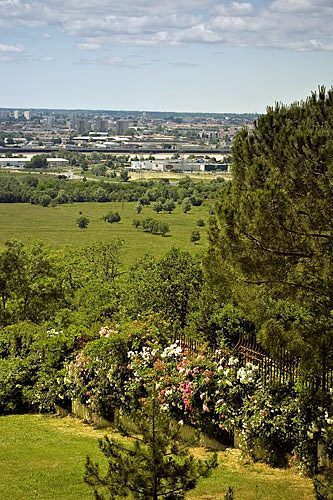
column 172, row 350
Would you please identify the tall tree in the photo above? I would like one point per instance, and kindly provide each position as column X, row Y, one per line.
column 30, row 284
column 271, row 241
column 155, row 464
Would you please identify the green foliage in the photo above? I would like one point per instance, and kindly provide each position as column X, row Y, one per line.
column 157, row 465
column 167, row 286
column 186, row 205
column 195, row 236
column 323, row 486
column 229, row 494
column 16, row 376
column 30, row 287
column 99, row 170
column 38, row 161
column 169, row 205
column 219, row 324
column 62, row 190
column 124, row 175
column 272, row 238
column 32, row 371
column 82, row 222
column 150, row 225
column 112, row 217
column 269, row 418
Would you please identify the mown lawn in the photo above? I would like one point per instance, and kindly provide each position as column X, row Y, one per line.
column 42, row 457
column 56, row 227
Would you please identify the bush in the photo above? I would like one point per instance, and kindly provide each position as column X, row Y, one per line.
column 150, row 225
column 82, row 222
column 16, row 378
column 195, row 236
column 112, row 217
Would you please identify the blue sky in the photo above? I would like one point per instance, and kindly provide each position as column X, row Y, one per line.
column 176, row 55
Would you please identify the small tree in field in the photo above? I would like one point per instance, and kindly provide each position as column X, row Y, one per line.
column 195, row 236
column 155, row 464
column 186, row 205
column 82, row 222
column 112, row 217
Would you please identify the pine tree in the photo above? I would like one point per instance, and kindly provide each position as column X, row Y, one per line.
column 153, row 464
column 271, row 243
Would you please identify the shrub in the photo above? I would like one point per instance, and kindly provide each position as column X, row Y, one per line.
column 112, row 217
column 195, row 236
column 82, row 222
column 153, row 226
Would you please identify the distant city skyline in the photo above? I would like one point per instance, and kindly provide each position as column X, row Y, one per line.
column 208, row 56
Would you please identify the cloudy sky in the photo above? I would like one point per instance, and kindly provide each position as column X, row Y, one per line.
column 171, row 55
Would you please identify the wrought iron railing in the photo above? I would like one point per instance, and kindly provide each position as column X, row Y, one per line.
column 282, row 368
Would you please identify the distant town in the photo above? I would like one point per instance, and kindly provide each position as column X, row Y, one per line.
column 118, row 131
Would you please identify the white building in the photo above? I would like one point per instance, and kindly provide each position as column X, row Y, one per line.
column 57, row 162
column 168, row 165
column 14, row 162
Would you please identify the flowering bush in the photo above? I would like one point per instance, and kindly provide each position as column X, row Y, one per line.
column 100, row 374
column 212, row 391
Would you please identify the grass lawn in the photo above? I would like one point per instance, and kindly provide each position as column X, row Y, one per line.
column 42, row 457
column 56, row 227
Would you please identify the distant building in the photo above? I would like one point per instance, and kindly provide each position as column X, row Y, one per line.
column 4, row 115
column 168, row 165
column 57, row 162
column 14, row 162
column 177, row 166
column 102, row 125
column 50, row 120
column 27, row 115
column 83, row 126
column 122, row 126
column 16, row 114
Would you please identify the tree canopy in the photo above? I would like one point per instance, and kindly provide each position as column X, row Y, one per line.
column 271, row 241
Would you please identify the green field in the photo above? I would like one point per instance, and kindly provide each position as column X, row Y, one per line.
column 42, row 458
column 56, row 227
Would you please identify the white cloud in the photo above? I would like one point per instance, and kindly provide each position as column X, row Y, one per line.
column 88, row 46
column 108, row 61
column 46, row 35
column 183, row 64
column 11, row 48
column 47, row 59
column 95, row 24
column 6, row 59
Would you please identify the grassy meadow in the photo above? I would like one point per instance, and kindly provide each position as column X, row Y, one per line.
column 42, row 458
column 56, row 227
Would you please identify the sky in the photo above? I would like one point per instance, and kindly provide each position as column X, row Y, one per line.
column 174, row 55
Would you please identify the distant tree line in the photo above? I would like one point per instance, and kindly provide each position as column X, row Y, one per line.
column 52, row 190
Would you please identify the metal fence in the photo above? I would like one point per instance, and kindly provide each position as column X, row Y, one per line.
column 283, row 368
